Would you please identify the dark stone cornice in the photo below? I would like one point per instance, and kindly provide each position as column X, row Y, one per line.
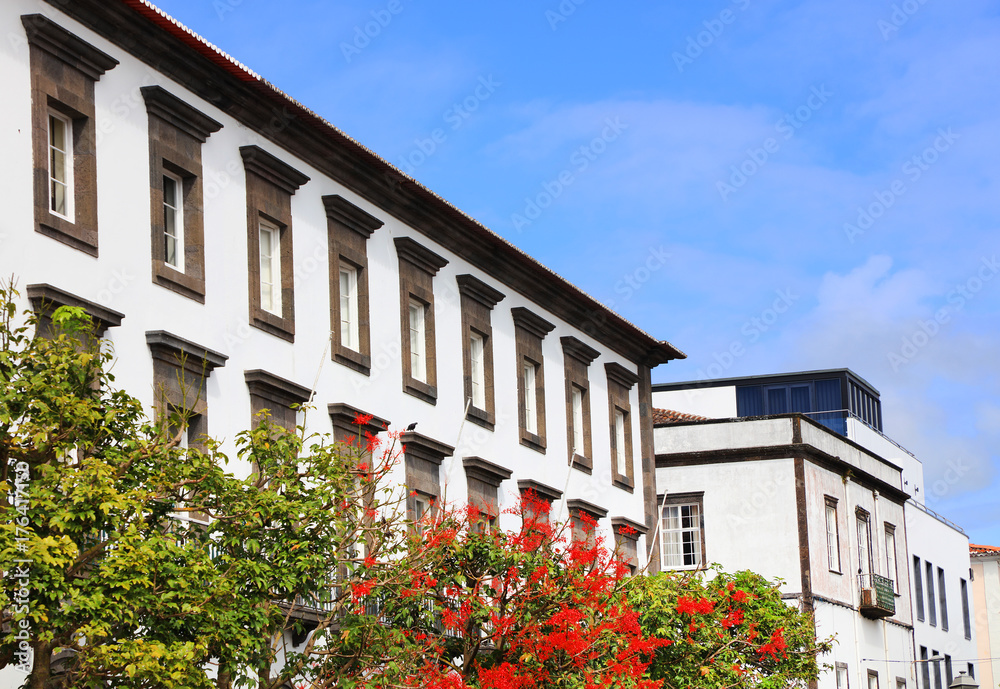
column 540, row 489
column 583, row 353
column 342, row 211
column 45, row 298
column 621, row 526
column 177, row 351
column 576, row 506
column 487, row 472
column 474, row 288
column 270, row 168
column 71, row 49
column 533, row 323
column 272, row 387
column 620, row 374
column 425, row 448
column 172, row 109
column 423, row 258
column 343, row 415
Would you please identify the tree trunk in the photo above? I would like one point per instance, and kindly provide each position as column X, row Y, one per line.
column 41, row 671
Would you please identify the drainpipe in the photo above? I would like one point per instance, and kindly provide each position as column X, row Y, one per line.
column 878, row 566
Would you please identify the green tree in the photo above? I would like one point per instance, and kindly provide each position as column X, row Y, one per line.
column 730, row 630
column 107, row 581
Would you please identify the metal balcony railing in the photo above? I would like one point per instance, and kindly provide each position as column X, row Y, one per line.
column 878, row 597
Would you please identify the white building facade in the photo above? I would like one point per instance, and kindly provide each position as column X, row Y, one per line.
column 855, row 505
column 986, row 604
column 195, row 211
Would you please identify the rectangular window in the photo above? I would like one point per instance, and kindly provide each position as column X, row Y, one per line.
column 176, row 134
column 842, row 676
column 948, row 676
column 972, row 670
column 530, row 411
column 890, row 556
column 621, row 461
column 900, row 683
column 577, row 419
column 832, row 536
column 577, row 358
column 925, row 667
column 64, row 70
column 270, row 268
column 918, row 586
column 864, row 543
column 349, row 335
column 478, row 366
column 966, row 620
column 530, row 330
column 931, row 603
column 682, row 530
column 937, row 670
column 60, row 166
column 620, row 383
column 943, row 597
column 418, row 337
column 417, row 268
column 173, row 222
column 270, row 185
column 872, row 679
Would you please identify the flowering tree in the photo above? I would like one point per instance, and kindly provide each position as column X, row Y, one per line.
column 732, row 630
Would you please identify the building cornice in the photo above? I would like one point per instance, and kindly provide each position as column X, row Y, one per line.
column 172, row 109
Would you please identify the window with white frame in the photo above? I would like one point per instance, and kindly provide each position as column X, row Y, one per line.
column 682, row 532
column 864, row 543
column 270, row 268
column 418, row 358
column 530, row 406
column 832, row 536
column 872, row 679
column 890, row 556
column 621, row 460
column 478, row 366
column 349, row 321
column 842, row 676
column 173, row 222
column 61, row 165
column 578, row 428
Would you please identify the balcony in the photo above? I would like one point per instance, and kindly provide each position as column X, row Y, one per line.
column 878, row 599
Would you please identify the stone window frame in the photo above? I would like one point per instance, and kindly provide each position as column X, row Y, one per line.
column 64, row 71
column 542, row 492
column 176, row 134
column 477, row 302
column 270, row 186
column 483, row 480
column 577, row 358
column 841, row 670
column 45, row 299
column 681, row 499
column 417, row 267
column 275, row 395
column 181, row 370
column 529, row 331
column 627, row 533
column 620, row 383
column 342, row 417
column 348, row 230
column 422, row 457
column 577, row 508
column 831, row 502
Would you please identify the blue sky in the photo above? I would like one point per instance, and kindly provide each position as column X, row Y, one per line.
column 693, row 165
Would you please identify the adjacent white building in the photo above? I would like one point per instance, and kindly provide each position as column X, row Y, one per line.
column 214, row 226
column 986, row 604
column 791, row 476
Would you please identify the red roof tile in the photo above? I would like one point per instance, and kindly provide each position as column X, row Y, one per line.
column 982, row 550
column 662, row 417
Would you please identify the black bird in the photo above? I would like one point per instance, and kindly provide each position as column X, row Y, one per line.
column 411, row 426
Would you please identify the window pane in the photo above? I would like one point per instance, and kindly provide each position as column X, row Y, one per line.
column 777, row 401
column 749, row 401
column 800, row 399
column 270, row 269
column 349, row 334
column 578, row 441
column 530, row 413
column 681, row 535
column 172, row 224
column 418, row 367
column 478, row 371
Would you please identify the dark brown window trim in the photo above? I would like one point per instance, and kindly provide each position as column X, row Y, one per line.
column 181, row 370
column 577, row 509
column 484, row 479
column 176, row 133
column 423, row 457
column 547, row 493
column 477, row 302
column 620, row 383
column 627, row 533
column 539, row 492
column 417, row 268
column 45, row 299
column 70, row 92
column 270, row 185
column 348, row 230
column 529, row 331
column 342, row 417
column 276, row 395
column 577, row 358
